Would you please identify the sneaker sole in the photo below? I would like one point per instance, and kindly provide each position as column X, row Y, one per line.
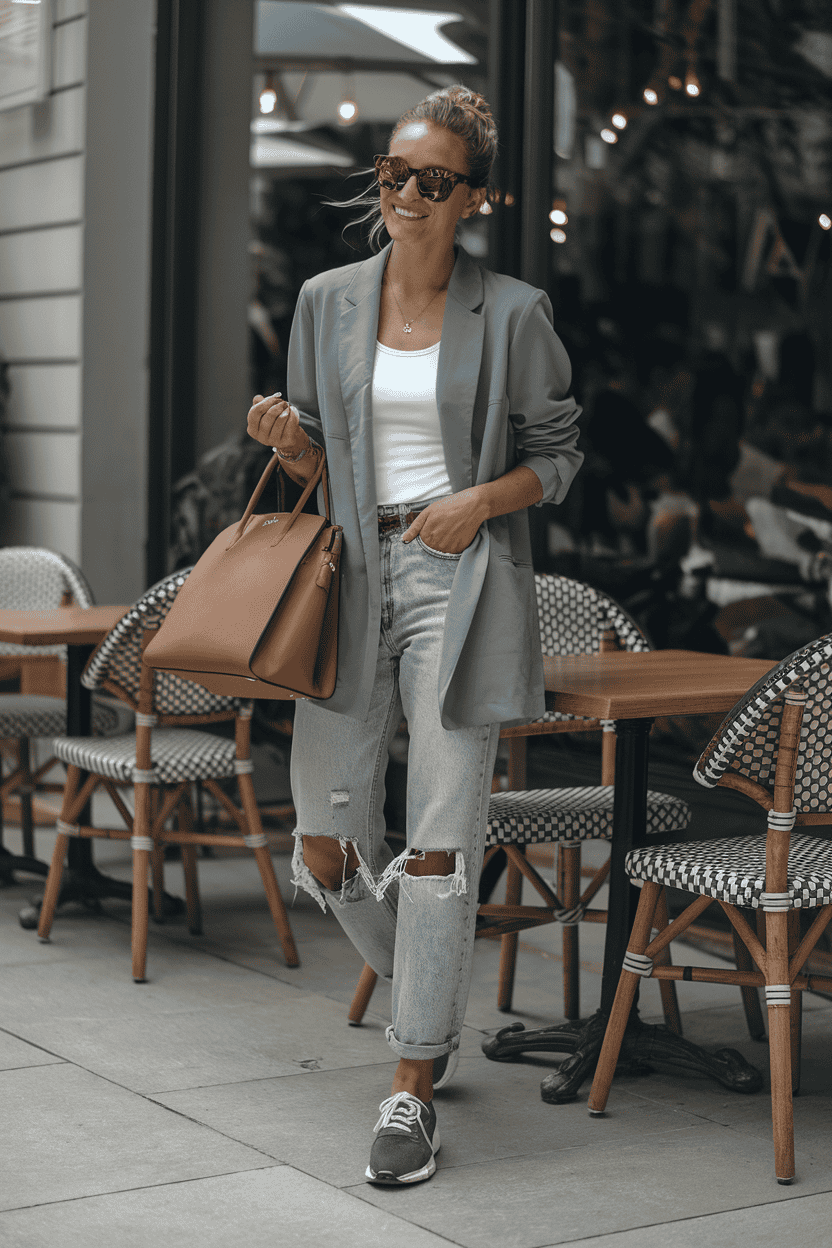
column 388, row 1179
column 449, row 1071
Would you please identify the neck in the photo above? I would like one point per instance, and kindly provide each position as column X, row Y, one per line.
column 416, row 274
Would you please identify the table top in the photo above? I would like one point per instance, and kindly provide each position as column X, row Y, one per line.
column 625, row 685
column 78, row 626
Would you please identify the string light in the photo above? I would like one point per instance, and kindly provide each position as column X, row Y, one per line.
column 619, row 121
column 348, row 108
column 558, row 217
column 650, row 95
column 558, row 235
column 825, row 221
column 692, row 86
column 675, row 82
column 609, row 136
column 268, row 97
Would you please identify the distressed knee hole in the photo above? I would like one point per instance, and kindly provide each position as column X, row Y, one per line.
column 329, row 863
column 432, row 862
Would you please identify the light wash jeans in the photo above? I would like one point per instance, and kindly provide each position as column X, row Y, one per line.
column 416, row 931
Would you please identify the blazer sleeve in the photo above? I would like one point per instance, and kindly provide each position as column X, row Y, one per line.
column 542, row 412
column 301, row 372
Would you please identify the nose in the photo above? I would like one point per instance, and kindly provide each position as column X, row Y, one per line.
column 410, row 190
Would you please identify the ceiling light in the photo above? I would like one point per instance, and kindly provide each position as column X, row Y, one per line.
column 650, row 96
column 619, row 121
column 268, row 100
column 558, row 217
column 558, row 236
column 609, row 136
column 825, row 221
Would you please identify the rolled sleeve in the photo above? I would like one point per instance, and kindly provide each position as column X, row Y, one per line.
column 542, row 412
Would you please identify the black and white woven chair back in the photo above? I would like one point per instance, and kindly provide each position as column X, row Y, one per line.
column 747, row 741
column 117, row 659
column 573, row 615
column 33, row 578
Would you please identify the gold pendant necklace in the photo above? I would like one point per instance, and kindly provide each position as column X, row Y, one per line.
column 407, row 323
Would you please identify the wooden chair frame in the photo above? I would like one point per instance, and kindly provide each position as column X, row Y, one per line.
column 776, row 949
column 154, row 805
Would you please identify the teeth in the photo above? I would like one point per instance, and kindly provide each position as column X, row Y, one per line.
column 401, row 213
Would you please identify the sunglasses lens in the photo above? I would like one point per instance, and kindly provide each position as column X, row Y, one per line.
column 392, row 173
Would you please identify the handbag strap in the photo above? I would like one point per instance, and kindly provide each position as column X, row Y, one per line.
column 273, row 463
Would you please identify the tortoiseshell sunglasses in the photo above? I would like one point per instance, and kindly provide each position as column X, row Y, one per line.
column 434, row 184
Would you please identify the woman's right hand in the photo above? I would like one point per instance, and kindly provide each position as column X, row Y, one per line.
column 274, row 422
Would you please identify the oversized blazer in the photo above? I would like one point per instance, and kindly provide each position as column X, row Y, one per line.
column 502, row 391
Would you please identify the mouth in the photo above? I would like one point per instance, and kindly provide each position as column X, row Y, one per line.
column 408, row 216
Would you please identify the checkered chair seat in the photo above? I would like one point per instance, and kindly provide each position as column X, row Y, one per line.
column 545, row 816
column 36, row 715
column 177, row 753
column 733, row 869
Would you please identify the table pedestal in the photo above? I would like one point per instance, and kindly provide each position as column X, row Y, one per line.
column 644, row 1046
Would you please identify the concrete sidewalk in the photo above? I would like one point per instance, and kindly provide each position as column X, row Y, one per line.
column 227, row 1101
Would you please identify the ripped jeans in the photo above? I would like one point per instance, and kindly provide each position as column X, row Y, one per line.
column 415, row 931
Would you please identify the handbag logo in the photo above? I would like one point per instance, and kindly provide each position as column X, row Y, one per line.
column 273, row 520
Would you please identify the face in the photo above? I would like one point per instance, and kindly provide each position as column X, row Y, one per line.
column 422, row 144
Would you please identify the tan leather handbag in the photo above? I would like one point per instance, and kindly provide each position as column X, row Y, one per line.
column 257, row 616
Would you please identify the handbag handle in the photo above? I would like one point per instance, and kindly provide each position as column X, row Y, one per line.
column 273, row 463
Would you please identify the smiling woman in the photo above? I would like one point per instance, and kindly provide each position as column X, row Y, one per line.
column 439, row 391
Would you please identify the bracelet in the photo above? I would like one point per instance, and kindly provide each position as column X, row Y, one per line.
column 293, row 459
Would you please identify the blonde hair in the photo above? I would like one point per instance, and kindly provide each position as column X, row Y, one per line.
column 457, row 108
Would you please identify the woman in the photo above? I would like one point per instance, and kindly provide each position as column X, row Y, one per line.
column 439, row 393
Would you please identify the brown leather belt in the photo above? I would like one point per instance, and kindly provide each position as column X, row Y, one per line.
column 386, row 524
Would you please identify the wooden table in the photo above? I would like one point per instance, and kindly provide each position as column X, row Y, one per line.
column 632, row 689
column 80, row 629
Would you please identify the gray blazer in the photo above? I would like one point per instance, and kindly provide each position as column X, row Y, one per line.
column 502, row 392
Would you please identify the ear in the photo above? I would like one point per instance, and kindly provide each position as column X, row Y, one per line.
column 476, row 199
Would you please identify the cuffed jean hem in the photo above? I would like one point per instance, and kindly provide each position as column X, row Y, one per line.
column 420, row 1052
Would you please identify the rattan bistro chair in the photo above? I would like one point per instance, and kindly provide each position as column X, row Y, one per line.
column 574, row 619
column 160, row 761
column 34, row 578
column 774, row 747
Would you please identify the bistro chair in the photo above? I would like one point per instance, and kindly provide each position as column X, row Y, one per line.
column 160, row 761
column 34, row 578
column 774, row 747
column 574, row 619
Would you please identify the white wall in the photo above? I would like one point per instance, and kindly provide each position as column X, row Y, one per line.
column 75, row 176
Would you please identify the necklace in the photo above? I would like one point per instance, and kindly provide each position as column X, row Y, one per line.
column 408, row 322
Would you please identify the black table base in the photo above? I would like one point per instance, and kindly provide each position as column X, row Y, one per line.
column 645, row 1047
column 89, row 887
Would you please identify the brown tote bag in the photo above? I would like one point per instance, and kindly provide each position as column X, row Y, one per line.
column 257, row 616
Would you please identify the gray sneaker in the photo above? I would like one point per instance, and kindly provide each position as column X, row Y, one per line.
column 406, row 1140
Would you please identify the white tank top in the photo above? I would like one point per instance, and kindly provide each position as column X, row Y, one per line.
column 407, row 440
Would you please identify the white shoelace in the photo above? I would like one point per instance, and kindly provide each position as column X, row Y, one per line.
column 400, row 1111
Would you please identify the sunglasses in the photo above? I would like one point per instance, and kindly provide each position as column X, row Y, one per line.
column 392, row 172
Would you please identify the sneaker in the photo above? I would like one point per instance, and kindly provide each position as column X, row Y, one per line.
column 444, row 1067
column 406, row 1141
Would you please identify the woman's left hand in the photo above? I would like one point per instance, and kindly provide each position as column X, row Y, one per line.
column 450, row 524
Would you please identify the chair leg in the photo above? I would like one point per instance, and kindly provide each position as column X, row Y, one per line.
column 667, row 988
column 508, row 943
column 750, row 996
column 624, row 997
column 569, row 891
column 779, row 1030
column 53, row 888
column 245, row 785
column 157, row 875
column 363, row 992
column 141, row 861
column 56, row 868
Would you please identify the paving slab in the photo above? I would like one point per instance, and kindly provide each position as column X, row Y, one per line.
column 576, row 1193
column 259, row 1209
column 68, row 1133
column 15, row 1054
column 799, row 1220
column 323, row 1123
